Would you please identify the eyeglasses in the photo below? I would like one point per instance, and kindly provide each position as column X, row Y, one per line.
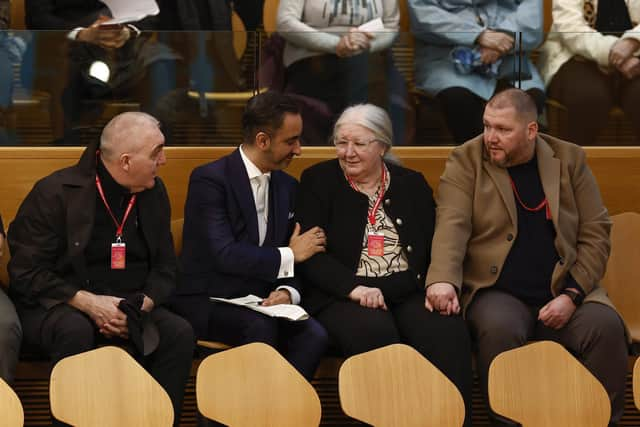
column 360, row 146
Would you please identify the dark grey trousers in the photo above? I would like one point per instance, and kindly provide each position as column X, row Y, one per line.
column 594, row 334
column 10, row 338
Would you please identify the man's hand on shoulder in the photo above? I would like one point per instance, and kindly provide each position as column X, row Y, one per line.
column 442, row 297
column 281, row 296
column 307, row 244
column 104, row 311
column 557, row 312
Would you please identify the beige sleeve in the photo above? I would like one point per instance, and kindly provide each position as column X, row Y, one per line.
column 453, row 220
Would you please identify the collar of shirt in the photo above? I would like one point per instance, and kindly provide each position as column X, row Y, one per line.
column 115, row 193
column 252, row 170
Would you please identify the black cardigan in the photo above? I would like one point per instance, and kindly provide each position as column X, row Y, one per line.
column 325, row 199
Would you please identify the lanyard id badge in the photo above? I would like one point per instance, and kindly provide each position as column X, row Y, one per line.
column 119, row 248
column 118, row 256
column 375, row 244
column 375, row 241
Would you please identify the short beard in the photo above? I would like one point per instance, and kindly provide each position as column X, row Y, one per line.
column 504, row 163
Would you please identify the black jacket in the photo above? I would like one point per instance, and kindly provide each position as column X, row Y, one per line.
column 325, row 199
column 53, row 226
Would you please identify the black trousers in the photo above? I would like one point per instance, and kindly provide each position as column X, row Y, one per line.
column 463, row 110
column 64, row 331
column 302, row 343
column 443, row 340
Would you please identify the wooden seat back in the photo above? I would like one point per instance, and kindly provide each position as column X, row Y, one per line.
column 253, row 385
column 543, row 385
column 623, row 270
column 11, row 412
column 107, row 387
column 395, row 386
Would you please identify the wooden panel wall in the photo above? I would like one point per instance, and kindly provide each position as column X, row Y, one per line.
column 616, row 168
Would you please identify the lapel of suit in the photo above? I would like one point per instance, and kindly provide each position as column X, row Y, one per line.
column 241, row 188
column 280, row 210
column 501, row 180
column 549, row 170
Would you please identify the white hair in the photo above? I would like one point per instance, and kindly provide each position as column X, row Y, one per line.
column 125, row 133
column 371, row 117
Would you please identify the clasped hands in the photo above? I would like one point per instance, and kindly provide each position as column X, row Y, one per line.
column 353, row 43
column 104, row 311
column 368, row 297
column 493, row 45
column 621, row 57
column 442, row 297
column 106, row 36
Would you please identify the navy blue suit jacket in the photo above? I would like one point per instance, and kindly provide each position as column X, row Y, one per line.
column 220, row 254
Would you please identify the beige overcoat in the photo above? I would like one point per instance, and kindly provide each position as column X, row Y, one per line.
column 476, row 221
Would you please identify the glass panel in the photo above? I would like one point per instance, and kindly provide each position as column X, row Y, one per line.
column 58, row 92
column 591, row 101
column 64, row 92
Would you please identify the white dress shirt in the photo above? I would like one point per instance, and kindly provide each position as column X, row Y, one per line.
column 286, row 254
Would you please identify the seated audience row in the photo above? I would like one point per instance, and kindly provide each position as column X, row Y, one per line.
column 516, row 246
column 338, row 53
column 464, row 53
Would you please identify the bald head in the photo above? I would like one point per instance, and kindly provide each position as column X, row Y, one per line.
column 517, row 99
column 132, row 149
column 127, row 133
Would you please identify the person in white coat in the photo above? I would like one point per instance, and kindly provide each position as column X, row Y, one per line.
column 590, row 64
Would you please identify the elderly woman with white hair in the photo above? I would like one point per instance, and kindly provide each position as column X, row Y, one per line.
column 367, row 289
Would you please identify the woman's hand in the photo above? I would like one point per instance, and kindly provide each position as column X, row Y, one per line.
column 368, row 297
column 442, row 297
column 488, row 55
column 344, row 48
column 360, row 40
column 621, row 51
column 631, row 68
column 353, row 43
column 496, row 40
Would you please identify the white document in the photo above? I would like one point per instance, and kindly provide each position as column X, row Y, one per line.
column 373, row 26
column 252, row 302
column 124, row 11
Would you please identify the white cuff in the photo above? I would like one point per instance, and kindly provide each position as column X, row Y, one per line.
column 295, row 295
column 134, row 29
column 286, row 263
column 73, row 34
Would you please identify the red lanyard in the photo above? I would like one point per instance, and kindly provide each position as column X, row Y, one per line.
column 119, row 225
column 383, row 183
column 543, row 203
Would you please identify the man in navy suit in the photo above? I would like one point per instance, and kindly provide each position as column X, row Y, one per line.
column 240, row 238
